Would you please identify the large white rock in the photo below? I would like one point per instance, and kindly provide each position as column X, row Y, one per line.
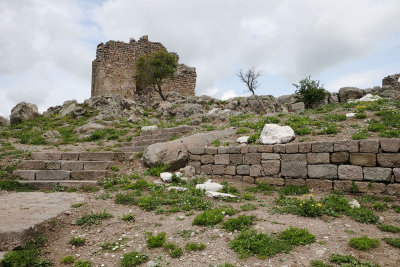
column 166, row 177
column 149, row 128
column 243, row 139
column 210, row 186
column 349, row 115
column 367, row 98
column 212, row 194
column 276, row 134
column 354, row 204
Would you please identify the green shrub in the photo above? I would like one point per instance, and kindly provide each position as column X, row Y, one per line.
column 296, row 236
column 212, row 216
column 77, row 241
column 126, row 199
column 157, row 169
column 68, row 259
column 261, row 187
column 114, row 168
column 242, row 130
column 81, row 263
column 195, row 247
column 395, row 242
column 248, row 206
column 128, row 217
column 241, row 223
column 156, row 241
column 174, row 250
column 335, row 117
column 93, row 218
column 350, row 261
column 310, row 92
column 363, row 134
column 318, row 264
column 389, row 228
column 77, row 205
column 290, row 190
column 360, row 116
column 363, row 243
column 363, row 215
column 379, row 206
column 11, row 185
column 253, row 138
column 133, row 258
column 228, row 189
column 216, row 143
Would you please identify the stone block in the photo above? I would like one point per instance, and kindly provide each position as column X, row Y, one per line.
column 279, row 149
column 222, row 150
column 370, row 188
column 265, row 148
column 298, row 181
column 255, row 170
column 207, row 159
column 243, row 169
column 96, row 156
column 271, row 167
column 221, row 159
column 327, row 171
column 393, row 189
column 87, row 175
column 322, row 185
column 236, row 159
column 319, row 147
column 389, row 160
column 46, row 155
column 346, row 146
column 305, row 147
column 230, row 170
column 251, row 149
column 233, row 150
column 72, row 165
column 377, row 174
column 248, row 179
column 218, row 169
column 294, row 165
column 252, row 158
column 25, row 174
column 211, row 150
column 342, row 185
column 32, row 165
column 369, row 146
column 53, row 165
column 363, row 159
column 237, row 178
column 292, row 148
column 396, row 173
column 206, row 169
column 227, row 177
column 271, row 181
column 70, row 156
column 52, row 175
column 391, row 145
column 244, row 149
column 270, row 156
column 195, row 157
column 340, row 157
column 350, row 172
column 123, row 156
column 96, row 165
column 196, row 165
column 318, row 158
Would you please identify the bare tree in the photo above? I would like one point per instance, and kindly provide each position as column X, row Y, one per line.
column 250, row 79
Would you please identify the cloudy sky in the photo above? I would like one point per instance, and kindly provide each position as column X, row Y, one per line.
column 46, row 46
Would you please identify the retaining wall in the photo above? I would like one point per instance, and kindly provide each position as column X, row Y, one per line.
column 371, row 166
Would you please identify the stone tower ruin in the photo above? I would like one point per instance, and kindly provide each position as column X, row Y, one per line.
column 113, row 71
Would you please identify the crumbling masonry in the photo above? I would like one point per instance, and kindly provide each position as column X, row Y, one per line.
column 392, row 80
column 113, row 71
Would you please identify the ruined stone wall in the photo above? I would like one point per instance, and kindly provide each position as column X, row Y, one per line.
column 370, row 166
column 113, row 70
column 392, row 80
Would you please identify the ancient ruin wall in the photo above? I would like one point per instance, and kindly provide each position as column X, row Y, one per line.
column 113, row 70
column 370, row 166
column 392, row 80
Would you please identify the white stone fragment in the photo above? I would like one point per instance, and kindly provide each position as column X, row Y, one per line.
column 212, row 194
column 210, row 186
column 354, row 204
column 179, row 174
column 149, row 128
column 349, row 115
column 243, row 139
column 166, row 177
column 177, row 188
column 276, row 134
column 366, row 98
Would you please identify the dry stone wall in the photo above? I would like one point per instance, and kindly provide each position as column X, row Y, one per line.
column 392, row 80
column 113, row 71
column 370, row 166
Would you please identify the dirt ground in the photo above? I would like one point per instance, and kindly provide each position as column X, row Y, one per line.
column 332, row 236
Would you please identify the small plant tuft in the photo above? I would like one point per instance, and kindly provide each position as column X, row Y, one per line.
column 156, row 241
column 363, row 243
column 133, row 258
column 77, row 241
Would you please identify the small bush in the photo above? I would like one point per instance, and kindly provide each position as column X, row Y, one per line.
column 350, row 261
column 126, row 199
column 310, row 92
column 379, row 206
column 395, row 242
column 241, row 223
column 363, row 215
column 360, row 135
column 156, row 170
column 128, row 217
column 93, row 218
column 77, row 205
column 114, row 168
column 11, row 185
column 296, row 236
column 133, row 258
column 363, row 243
column 261, row 187
column 77, row 241
column 318, row 264
column 212, row 217
column 68, row 259
column 81, row 263
column 156, row 241
column 253, row 138
column 360, row 116
column 195, row 246
column 216, row 143
column 389, row 228
column 174, row 250
column 248, row 206
column 242, row 130
column 291, row 190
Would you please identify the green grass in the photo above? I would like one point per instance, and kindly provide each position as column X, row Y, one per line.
column 335, row 117
column 68, row 259
column 241, row 223
column 133, row 258
column 228, row 189
column 128, row 218
column 395, row 242
column 379, row 206
column 360, row 135
column 350, row 261
column 248, row 206
column 261, row 187
column 93, row 218
column 216, row 143
column 389, row 228
column 156, row 241
column 11, row 185
column 82, row 263
column 316, row 263
column 296, row 236
column 195, row 246
column 156, row 170
column 293, row 190
column 364, row 215
column 174, row 250
column 126, row 198
column 77, row 241
column 212, row 216
column 363, row 243
column 77, row 205
column 242, row 130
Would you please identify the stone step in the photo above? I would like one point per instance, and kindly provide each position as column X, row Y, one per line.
column 49, row 175
column 54, row 183
column 132, row 149
column 63, row 165
column 80, row 156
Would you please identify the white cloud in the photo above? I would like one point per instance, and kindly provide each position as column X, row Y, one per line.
column 229, row 94
column 364, row 79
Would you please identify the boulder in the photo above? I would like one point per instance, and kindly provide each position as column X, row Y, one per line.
column 112, row 107
column 188, row 171
column 52, row 136
column 276, row 134
column 176, row 152
column 243, row 139
column 348, row 93
column 88, row 128
column 209, row 186
column 67, row 108
column 298, row 107
column 23, row 111
column 4, row 121
column 188, row 110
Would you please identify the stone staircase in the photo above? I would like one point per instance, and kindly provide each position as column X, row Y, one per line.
column 71, row 169
column 140, row 143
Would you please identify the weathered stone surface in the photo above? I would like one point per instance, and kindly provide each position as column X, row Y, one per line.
column 389, row 160
column 166, row 177
column 390, row 145
column 271, row 167
column 346, row 146
column 342, row 185
column 207, row 159
column 206, row 169
column 72, row 165
column 218, row 169
column 396, row 172
column 209, row 186
column 211, row 150
column 276, row 134
column 150, row 128
column 340, row 157
column 363, row 159
column 279, row 149
column 52, row 136
column 4, row 121
column 96, row 156
column 88, row 128
column 32, row 165
column 255, row 170
column 221, row 159
column 369, row 146
column 347, row 93
column 211, row 194
column 23, row 111
column 270, row 156
column 222, row 150
column 188, row 171
column 393, row 189
column 377, row 174
column 53, row 165
column 87, row 175
column 252, row 158
column 230, row 170
column 244, row 149
column 243, row 170
column 292, row 148
column 243, row 139
column 25, row 174
column 305, row 147
column 294, row 165
column 236, row 158
column 70, row 156
column 46, row 155
column 327, row 171
column 251, row 149
column 96, row 165
column 52, row 175
column 248, row 179
column 318, row 158
column 265, row 149
column 322, row 185
column 350, row 172
column 197, row 150
column 298, row 107
column 233, row 150
column 290, row 181
column 194, row 157
column 271, row 180
column 196, row 165
column 370, row 188
column 319, row 147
